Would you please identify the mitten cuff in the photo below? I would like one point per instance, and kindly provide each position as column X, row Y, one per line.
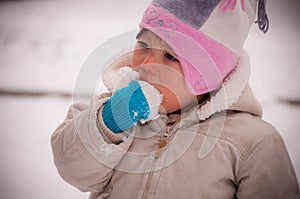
column 107, row 134
column 115, row 114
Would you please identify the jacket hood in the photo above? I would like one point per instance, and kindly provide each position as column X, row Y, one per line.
column 235, row 93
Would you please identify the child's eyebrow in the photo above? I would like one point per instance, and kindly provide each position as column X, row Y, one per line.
column 144, row 30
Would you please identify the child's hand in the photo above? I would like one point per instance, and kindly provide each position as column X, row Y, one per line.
column 139, row 101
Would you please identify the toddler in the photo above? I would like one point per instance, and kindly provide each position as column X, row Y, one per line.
column 180, row 120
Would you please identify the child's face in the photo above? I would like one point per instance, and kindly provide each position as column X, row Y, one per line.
column 158, row 65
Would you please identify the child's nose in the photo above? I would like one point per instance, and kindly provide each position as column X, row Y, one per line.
column 149, row 67
column 152, row 59
column 152, row 56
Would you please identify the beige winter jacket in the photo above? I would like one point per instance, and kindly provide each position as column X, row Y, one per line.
column 221, row 150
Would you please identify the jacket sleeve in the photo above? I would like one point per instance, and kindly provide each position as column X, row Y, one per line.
column 268, row 172
column 82, row 157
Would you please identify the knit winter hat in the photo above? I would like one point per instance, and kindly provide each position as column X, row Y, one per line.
column 207, row 35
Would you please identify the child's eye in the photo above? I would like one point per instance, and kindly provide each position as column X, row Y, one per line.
column 171, row 57
column 142, row 44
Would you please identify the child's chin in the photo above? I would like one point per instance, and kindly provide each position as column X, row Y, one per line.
column 167, row 110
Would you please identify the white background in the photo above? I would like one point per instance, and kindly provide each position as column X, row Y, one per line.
column 43, row 44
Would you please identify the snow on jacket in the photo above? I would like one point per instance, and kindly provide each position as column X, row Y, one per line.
column 221, row 150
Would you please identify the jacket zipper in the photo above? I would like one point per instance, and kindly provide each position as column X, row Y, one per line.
column 149, row 180
column 164, row 138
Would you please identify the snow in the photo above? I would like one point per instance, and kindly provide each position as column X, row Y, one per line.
column 27, row 168
column 123, row 76
column 43, row 45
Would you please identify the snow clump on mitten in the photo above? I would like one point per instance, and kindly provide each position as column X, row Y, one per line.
column 120, row 78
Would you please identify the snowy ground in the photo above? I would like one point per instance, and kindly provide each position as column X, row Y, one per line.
column 43, row 44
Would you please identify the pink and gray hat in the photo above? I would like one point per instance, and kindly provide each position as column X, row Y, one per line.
column 207, row 35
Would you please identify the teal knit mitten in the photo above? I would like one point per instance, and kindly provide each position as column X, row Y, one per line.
column 139, row 101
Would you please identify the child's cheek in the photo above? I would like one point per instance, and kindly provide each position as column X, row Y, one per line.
column 170, row 101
